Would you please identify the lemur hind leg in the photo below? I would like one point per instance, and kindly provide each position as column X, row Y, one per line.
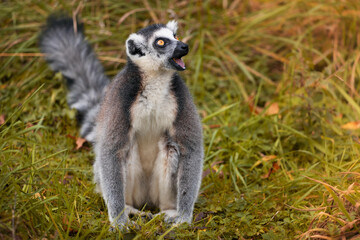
column 131, row 211
column 164, row 178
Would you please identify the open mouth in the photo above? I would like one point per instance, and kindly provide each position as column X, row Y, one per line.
column 181, row 50
column 179, row 63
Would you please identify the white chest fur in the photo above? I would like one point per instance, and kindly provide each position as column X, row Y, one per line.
column 155, row 108
column 153, row 113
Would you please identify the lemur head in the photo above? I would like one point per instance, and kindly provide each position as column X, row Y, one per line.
column 157, row 48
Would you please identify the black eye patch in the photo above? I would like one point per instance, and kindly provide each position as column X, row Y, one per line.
column 133, row 49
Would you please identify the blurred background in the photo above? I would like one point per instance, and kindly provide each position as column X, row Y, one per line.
column 275, row 82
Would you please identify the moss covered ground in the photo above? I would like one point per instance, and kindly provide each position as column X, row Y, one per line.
column 275, row 82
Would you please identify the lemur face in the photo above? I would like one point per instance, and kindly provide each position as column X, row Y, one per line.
column 156, row 47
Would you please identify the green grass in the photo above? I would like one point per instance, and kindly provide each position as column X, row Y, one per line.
column 275, row 82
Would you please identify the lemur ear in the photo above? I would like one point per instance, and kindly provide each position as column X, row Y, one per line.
column 133, row 45
column 173, row 26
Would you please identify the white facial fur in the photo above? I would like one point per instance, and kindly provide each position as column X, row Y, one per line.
column 139, row 41
column 153, row 60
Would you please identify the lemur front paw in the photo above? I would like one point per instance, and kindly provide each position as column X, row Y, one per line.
column 173, row 217
column 122, row 224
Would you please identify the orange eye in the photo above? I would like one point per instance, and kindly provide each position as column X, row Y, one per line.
column 160, row 42
column 177, row 38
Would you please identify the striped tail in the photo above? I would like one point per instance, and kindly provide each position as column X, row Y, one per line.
column 66, row 50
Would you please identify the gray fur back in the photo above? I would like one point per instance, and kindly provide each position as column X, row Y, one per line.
column 67, row 51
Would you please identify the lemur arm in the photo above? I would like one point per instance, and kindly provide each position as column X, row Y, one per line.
column 189, row 179
column 188, row 136
column 112, row 181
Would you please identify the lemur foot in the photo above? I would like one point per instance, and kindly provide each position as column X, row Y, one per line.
column 131, row 211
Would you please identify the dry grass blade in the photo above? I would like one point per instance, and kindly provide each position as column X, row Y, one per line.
column 126, row 15
column 151, row 11
column 21, row 55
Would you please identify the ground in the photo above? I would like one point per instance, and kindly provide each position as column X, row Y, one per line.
column 275, row 82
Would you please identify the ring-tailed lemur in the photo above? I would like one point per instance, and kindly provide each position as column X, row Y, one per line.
column 144, row 125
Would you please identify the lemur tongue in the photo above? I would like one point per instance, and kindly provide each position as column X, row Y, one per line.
column 180, row 62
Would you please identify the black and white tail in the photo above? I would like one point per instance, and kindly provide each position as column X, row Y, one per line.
column 66, row 50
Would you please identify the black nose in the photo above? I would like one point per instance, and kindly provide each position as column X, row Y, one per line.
column 182, row 47
column 185, row 47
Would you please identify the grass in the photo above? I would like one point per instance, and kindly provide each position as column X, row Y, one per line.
column 277, row 86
